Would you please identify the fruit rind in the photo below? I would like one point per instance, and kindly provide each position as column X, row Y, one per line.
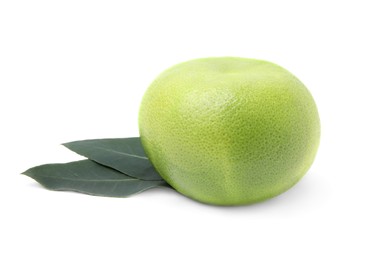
column 229, row 131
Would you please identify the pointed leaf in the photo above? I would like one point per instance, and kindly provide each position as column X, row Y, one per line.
column 123, row 154
column 89, row 177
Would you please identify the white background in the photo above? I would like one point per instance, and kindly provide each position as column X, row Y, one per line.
column 72, row 70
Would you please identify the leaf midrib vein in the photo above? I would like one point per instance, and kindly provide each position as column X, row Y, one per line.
column 117, row 152
column 85, row 180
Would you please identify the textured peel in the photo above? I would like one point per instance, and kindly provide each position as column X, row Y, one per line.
column 229, row 131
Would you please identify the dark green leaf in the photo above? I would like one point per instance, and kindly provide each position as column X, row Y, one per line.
column 123, row 154
column 89, row 177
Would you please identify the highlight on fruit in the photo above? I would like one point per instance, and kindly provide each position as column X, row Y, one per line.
column 222, row 131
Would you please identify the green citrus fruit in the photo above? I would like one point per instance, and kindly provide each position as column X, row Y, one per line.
column 229, row 131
